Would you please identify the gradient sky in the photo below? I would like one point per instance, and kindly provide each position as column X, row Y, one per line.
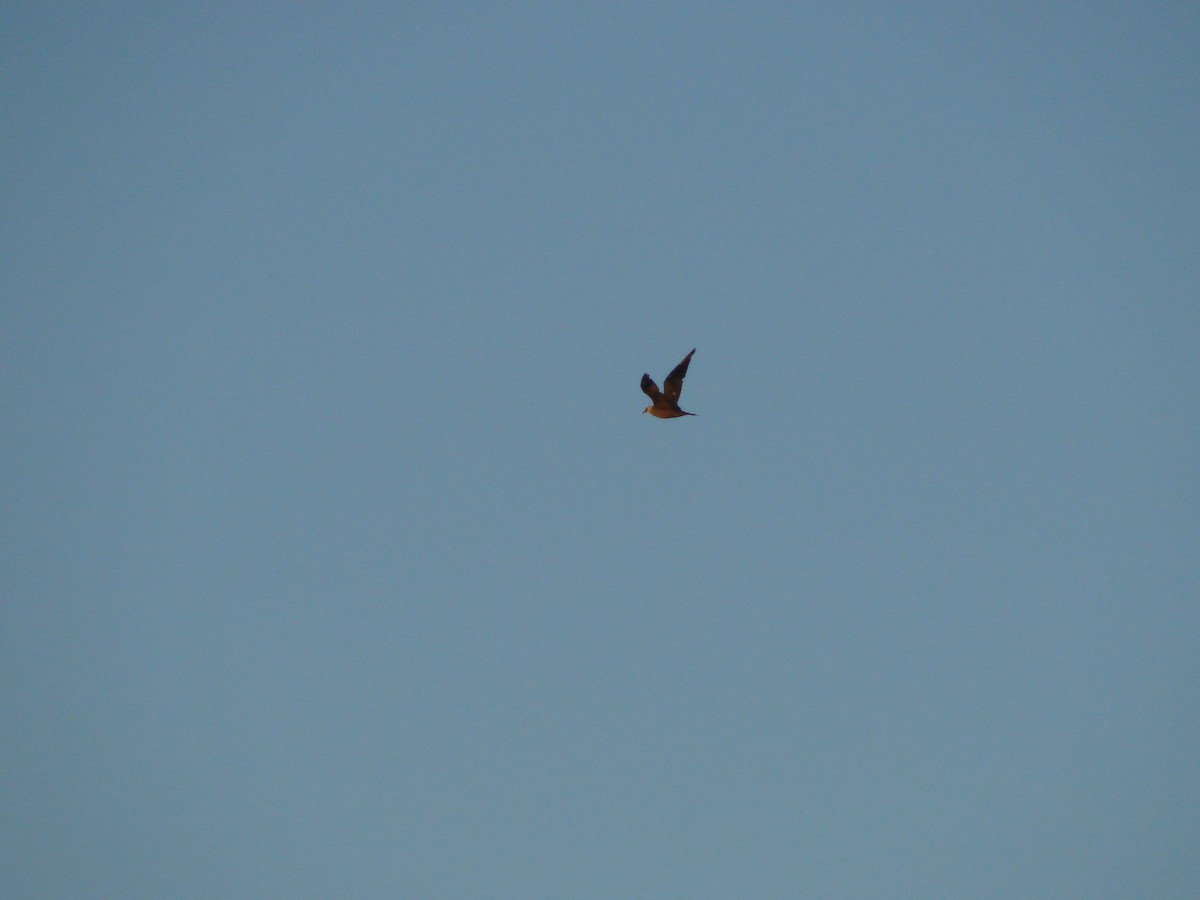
column 339, row 560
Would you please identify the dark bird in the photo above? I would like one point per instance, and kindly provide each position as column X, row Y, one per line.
column 664, row 404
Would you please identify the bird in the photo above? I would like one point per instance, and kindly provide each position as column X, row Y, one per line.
column 664, row 404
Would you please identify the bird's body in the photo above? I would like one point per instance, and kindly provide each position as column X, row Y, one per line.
column 665, row 403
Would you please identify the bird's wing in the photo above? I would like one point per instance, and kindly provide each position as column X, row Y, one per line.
column 674, row 382
column 650, row 389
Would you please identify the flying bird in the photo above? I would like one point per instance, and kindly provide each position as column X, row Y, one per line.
column 664, row 404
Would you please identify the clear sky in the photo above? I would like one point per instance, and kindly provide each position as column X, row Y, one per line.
column 339, row 560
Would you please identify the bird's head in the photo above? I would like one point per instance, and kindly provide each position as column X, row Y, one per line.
column 647, row 409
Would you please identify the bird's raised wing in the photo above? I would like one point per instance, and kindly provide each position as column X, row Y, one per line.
column 674, row 382
column 650, row 389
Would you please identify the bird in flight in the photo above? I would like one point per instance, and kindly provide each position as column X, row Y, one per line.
column 664, row 404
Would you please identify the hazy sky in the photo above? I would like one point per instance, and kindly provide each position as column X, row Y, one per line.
column 339, row 560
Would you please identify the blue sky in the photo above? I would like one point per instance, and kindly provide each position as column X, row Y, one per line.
column 340, row 561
